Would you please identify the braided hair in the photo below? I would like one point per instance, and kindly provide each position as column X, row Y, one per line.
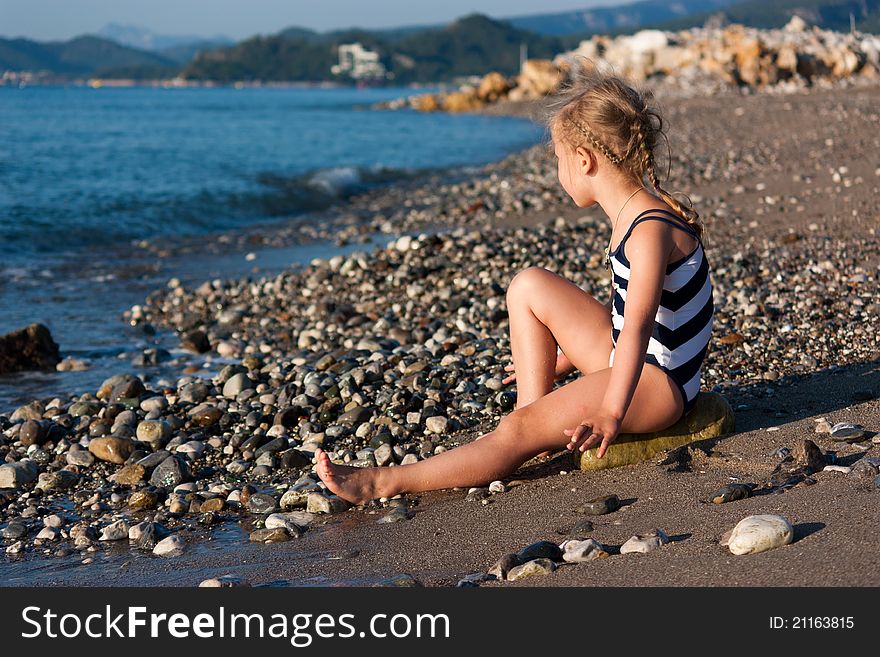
column 617, row 121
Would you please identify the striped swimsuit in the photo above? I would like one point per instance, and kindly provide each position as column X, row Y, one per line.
column 683, row 323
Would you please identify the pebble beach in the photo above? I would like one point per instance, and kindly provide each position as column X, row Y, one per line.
column 395, row 351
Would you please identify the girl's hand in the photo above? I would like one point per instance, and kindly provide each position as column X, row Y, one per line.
column 599, row 428
column 512, row 377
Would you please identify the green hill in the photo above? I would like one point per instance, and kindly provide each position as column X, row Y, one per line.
column 82, row 56
column 471, row 45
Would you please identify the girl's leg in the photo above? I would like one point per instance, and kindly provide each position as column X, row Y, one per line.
column 519, row 436
column 547, row 310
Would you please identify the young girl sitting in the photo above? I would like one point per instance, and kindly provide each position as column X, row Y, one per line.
column 639, row 355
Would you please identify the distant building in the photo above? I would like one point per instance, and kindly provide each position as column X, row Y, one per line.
column 358, row 62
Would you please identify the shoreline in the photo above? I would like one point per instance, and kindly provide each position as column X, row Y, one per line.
column 429, row 312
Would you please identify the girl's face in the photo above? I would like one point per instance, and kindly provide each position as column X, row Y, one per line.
column 572, row 169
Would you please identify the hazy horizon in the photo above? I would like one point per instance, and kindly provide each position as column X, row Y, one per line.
column 59, row 20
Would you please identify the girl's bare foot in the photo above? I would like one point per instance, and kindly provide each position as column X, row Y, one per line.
column 355, row 485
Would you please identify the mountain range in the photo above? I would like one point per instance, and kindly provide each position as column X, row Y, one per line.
column 471, row 45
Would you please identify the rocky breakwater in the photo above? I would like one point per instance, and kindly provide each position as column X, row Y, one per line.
column 695, row 61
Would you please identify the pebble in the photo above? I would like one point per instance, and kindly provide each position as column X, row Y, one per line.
column 261, row 503
column 540, row 550
column 115, row 531
column 111, row 449
column 731, row 493
column 129, row 475
column 224, row 582
column 396, row 515
column 760, row 533
column 845, row 469
column 320, row 503
column 172, row 546
column 806, row 453
column 15, row 475
column 170, row 472
column 154, row 432
column 823, row 426
column 865, row 469
column 536, row 567
column 271, row 535
column 507, row 562
column 294, row 522
column 575, row 551
column 846, row 431
column 497, row 487
column 600, row 505
column 644, row 543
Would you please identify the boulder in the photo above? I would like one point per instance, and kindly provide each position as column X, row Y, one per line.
column 711, row 417
column 31, row 348
column 465, row 100
column 539, row 77
column 492, row 87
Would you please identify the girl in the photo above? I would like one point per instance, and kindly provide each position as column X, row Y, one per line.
column 639, row 355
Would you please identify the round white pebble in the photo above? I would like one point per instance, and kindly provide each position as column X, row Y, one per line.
column 760, row 533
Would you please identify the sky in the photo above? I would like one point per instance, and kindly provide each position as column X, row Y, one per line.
column 46, row 20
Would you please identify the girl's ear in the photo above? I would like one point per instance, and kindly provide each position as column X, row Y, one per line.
column 585, row 159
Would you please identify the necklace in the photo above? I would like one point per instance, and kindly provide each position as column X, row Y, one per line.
column 607, row 260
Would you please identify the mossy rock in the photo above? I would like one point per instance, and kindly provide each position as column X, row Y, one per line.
column 711, row 417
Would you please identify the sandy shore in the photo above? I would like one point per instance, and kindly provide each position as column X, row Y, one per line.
column 788, row 181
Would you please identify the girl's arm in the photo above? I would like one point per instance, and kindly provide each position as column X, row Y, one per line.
column 648, row 248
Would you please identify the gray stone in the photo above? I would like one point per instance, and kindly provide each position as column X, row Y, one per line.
column 170, row 473
column 261, row 503
column 15, row 530
column 15, row 475
column 384, row 454
column 601, row 505
column 115, row 531
column 644, row 543
column 847, row 432
column 173, row 546
column 321, row 503
column 80, row 457
column 397, row 514
column 356, row 415
column 294, row 522
column 575, row 551
column 57, row 481
column 236, row 385
column 863, row 470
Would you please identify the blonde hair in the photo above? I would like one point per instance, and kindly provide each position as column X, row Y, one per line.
column 605, row 113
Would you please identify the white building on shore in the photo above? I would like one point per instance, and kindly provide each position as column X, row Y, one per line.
column 357, row 62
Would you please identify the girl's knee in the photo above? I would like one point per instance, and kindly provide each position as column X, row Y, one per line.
column 526, row 282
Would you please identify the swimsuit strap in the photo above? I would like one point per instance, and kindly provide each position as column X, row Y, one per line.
column 641, row 217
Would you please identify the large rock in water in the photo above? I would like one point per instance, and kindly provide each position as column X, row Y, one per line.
column 711, row 417
column 31, row 348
